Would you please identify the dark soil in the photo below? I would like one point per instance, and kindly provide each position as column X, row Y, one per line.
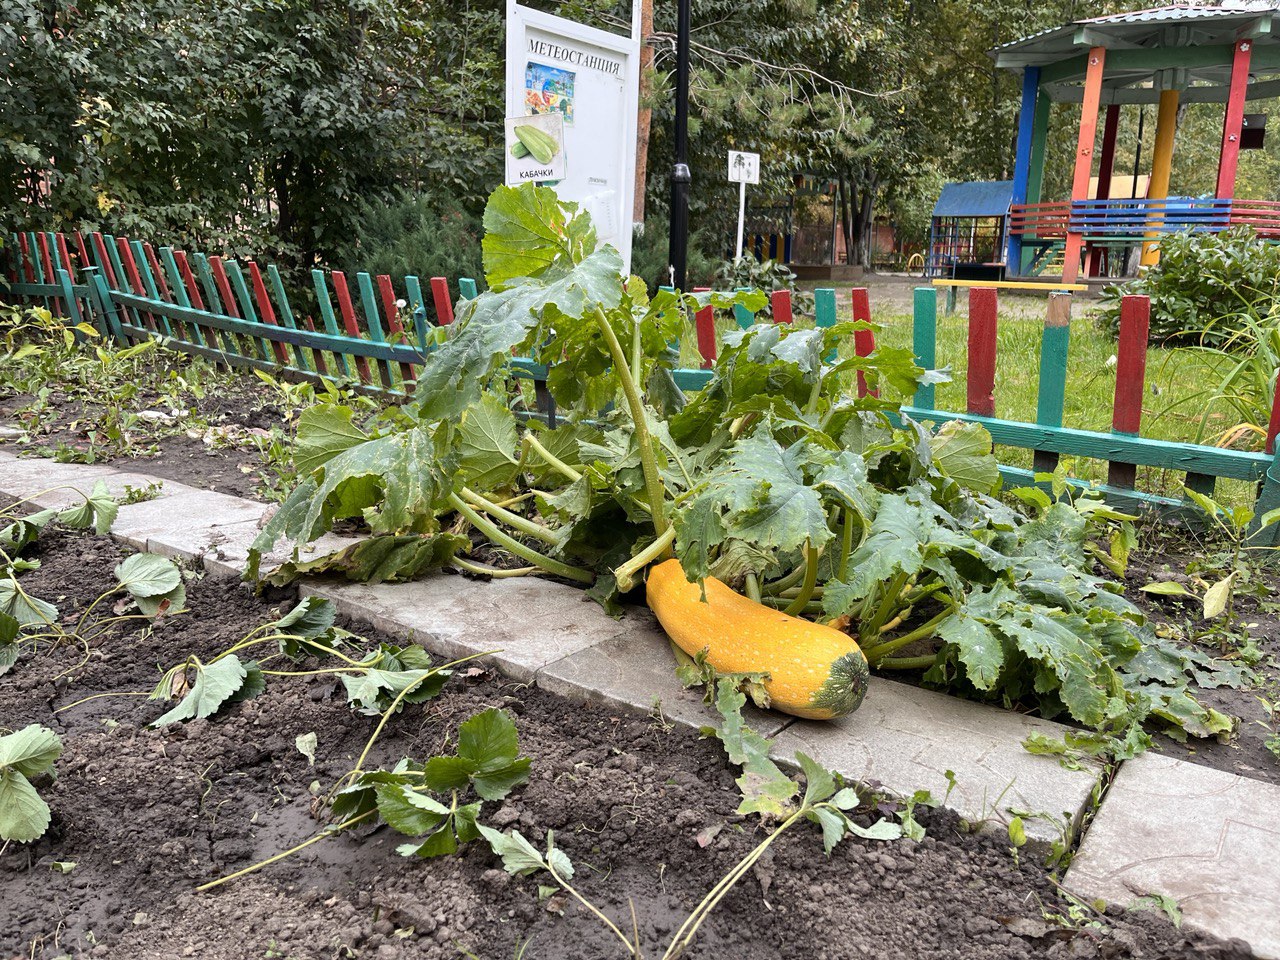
column 146, row 815
column 212, row 446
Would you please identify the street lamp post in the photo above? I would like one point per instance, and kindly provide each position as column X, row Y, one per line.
column 680, row 176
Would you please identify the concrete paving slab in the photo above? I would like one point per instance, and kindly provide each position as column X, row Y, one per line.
column 22, row 477
column 1208, row 839
column 229, row 557
column 188, row 510
column 533, row 622
column 636, row 670
column 226, row 542
column 117, row 484
column 905, row 739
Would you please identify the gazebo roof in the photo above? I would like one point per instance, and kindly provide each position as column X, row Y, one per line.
column 1181, row 45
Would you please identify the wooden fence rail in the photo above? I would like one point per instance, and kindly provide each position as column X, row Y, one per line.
column 238, row 314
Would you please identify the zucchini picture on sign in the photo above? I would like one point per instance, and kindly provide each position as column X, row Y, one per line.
column 535, row 149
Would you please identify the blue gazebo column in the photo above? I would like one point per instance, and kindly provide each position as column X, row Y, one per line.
column 1022, row 162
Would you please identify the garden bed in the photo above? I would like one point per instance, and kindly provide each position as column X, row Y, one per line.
column 645, row 810
column 162, row 413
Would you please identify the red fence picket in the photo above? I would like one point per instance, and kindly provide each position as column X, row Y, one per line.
column 982, row 352
column 864, row 341
column 780, row 301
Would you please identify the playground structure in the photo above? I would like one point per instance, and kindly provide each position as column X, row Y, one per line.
column 1166, row 56
column 968, row 230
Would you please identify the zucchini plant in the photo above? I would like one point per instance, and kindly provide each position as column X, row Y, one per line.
column 778, row 478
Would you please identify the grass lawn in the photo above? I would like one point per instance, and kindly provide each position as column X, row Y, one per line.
column 1179, row 382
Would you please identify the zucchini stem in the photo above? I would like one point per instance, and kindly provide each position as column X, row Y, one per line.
column 655, row 490
column 907, row 663
column 523, row 524
column 625, row 574
column 875, row 653
column 810, row 581
column 497, row 573
column 554, row 462
column 495, row 534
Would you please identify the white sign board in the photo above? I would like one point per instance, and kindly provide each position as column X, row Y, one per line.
column 591, row 79
column 535, row 149
column 744, row 167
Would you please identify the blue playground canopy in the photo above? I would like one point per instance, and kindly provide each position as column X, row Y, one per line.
column 967, row 233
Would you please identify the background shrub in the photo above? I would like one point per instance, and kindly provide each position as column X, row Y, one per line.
column 1202, row 285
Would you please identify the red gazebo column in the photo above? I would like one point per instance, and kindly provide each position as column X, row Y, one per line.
column 1106, row 164
column 1084, row 156
column 1233, row 121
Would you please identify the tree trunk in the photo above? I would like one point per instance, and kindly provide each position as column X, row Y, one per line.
column 645, row 115
column 846, row 225
column 866, row 223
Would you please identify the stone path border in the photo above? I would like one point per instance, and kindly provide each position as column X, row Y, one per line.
column 1206, row 838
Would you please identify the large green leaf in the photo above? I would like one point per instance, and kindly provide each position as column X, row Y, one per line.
column 760, row 496
column 527, row 230
column 963, row 452
column 214, row 685
column 409, row 811
column 487, row 758
column 396, row 483
column 98, row 511
column 29, row 611
column 324, row 431
column 310, row 617
column 488, row 445
column 388, row 558
column 148, row 575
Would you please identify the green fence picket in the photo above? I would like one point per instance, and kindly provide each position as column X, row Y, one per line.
column 924, row 340
column 286, row 313
column 327, row 315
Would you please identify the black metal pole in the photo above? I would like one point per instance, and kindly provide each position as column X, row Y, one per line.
column 680, row 177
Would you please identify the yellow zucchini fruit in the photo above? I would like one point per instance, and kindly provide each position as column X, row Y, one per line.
column 814, row 671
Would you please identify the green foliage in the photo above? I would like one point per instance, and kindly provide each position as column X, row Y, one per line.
column 25, row 755
column 766, row 275
column 418, row 234
column 1202, row 286
column 376, row 680
column 404, row 797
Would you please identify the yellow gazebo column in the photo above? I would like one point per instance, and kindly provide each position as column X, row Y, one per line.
column 1161, row 164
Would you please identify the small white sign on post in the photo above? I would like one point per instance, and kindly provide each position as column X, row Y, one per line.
column 744, row 168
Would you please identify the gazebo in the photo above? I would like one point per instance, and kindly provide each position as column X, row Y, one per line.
column 1165, row 56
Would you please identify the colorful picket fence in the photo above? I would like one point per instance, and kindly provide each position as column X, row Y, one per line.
column 232, row 312
column 238, row 314
column 1124, row 449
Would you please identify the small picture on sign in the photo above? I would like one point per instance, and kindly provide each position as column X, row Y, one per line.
column 548, row 90
column 535, row 149
column 744, row 167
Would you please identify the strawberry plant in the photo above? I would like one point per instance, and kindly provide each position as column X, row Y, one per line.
column 148, row 583
column 377, row 681
column 25, row 755
column 777, row 478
